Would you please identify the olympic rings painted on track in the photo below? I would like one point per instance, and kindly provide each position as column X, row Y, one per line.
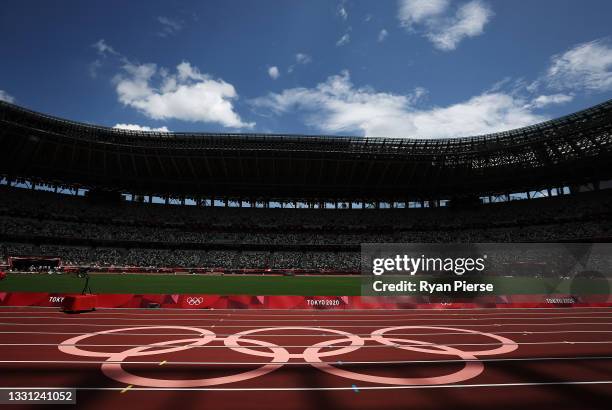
column 279, row 355
column 116, row 371
column 69, row 346
column 506, row 347
column 233, row 341
column 470, row 369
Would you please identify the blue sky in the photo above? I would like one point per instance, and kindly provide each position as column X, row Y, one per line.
column 408, row 68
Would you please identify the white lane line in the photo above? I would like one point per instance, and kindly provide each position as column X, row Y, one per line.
column 388, row 310
column 385, row 362
column 318, row 319
column 306, row 346
column 335, row 326
column 261, row 313
column 439, row 386
column 520, row 332
column 340, row 311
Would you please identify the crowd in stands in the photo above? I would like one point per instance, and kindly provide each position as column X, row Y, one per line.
column 571, row 229
column 133, row 234
column 226, row 259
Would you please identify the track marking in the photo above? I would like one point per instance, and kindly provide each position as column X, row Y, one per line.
column 429, row 309
column 163, row 362
column 314, row 319
column 307, row 346
column 339, row 313
column 609, row 306
column 439, row 386
column 327, row 318
column 322, row 319
column 340, row 363
column 126, row 388
column 524, row 333
column 335, row 313
column 335, row 326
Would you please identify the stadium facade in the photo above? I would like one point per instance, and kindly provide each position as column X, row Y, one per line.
column 571, row 151
column 563, row 168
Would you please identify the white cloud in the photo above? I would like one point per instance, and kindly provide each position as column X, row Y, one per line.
column 416, row 11
column 587, row 66
column 468, row 22
column 169, row 26
column 186, row 95
column 342, row 11
column 337, row 106
column 273, row 72
column 442, row 28
column 4, row 96
column 382, row 35
column 136, row 127
column 343, row 40
column 94, row 66
column 546, row 100
column 103, row 48
column 418, row 93
column 302, row 58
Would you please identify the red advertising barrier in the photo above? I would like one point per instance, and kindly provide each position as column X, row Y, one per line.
column 198, row 301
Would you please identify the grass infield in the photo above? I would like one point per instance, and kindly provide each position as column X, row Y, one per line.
column 180, row 283
column 261, row 285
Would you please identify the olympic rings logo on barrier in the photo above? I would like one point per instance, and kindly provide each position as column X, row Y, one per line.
column 194, row 300
column 279, row 355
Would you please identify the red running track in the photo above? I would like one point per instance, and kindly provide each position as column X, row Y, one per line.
column 424, row 359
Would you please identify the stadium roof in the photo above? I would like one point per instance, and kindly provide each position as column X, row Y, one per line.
column 571, row 150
